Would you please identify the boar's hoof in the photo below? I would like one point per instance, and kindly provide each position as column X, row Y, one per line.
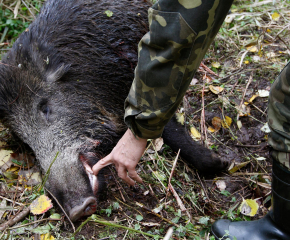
column 88, row 207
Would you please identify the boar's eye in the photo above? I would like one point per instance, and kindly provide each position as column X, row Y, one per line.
column 45, row 109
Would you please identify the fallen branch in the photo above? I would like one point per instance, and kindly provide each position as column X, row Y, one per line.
column 16, row 219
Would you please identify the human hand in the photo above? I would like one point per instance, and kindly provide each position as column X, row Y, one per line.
column 125, row 155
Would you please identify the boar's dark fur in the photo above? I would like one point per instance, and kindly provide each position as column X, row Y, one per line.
column 63, row 86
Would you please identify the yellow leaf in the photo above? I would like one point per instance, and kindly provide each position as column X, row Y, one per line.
column 268, row 30
column 46, row 236
column 252, row 98
column 180, row 118
column 4, row 159
column 217, row 123
column 216, row 64
column 227, row 122
column 246, row 62
column 252, row 49
column 275, row 16
column 195, row 133
column 211, row 129
column 249, row 207
column 41, row 205
column 216, row 90
column 237, row 167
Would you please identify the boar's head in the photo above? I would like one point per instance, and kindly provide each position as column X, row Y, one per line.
column 62, row 88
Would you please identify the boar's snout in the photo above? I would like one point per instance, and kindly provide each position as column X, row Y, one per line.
column 88, row 207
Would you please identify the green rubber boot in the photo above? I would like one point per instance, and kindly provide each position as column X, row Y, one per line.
column 274, row 226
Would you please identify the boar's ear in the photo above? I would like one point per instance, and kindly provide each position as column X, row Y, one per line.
column 56, row 73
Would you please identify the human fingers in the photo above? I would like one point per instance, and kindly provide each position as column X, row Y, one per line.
column 102, row 163
column 122, row 173
column 133, row 174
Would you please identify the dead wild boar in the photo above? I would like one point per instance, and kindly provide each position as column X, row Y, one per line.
column 62, row 89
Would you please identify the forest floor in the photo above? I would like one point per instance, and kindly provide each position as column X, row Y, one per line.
column 225, row 109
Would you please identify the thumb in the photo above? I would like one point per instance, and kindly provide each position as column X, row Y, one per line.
column 102, row 163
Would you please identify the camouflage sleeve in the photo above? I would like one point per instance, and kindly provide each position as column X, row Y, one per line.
column 180, row 32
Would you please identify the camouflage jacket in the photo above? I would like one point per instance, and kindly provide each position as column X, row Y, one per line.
column 180, row 32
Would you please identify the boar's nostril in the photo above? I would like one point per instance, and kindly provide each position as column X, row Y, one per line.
column 88, row 207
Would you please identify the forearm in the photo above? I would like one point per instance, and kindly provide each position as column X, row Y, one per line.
column 169, row 55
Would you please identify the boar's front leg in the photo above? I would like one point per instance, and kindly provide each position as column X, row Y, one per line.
column 176, row 136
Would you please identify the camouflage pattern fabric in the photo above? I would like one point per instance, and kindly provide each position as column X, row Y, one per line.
column 279, row 117
column 169, row 54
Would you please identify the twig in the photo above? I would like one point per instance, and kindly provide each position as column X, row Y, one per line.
column 244, row 94
column 37, row 221
column 156, row 214
column 168, row 234
column 250, row 146
column 119, row 185
column 16, row 219
column 207, row 69
column 18, row 13
column 94, row 218
column 61, row 209
column 173, row 168
column 21, row 204
column 28, row 9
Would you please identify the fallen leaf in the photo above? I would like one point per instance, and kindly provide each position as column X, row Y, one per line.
column 252, row 48
column 211, row 129
column 249, row 207
column 41, row 205
column 246, row 62
column 243, row 110
column 227, row 122
column 193, row 82
column 275, row 16
column 221, row 185
column 260, row 158
column 108, row 13
column 160, row 175
column 225, row 101
column 263, row 93
column 217, row 123
column 5, row 159
column 216, row 64
column 266, row 128
column 11, row 173
column 158, row 143
column 230, row 18
column 253, row 98
column 237, row 167
column 239, row 124
column 216, row 89
column 2, row 208
column 55, row 216
column 159, row 208
column 180, row 118
column 194, row 133
column 46, row 236
column 146, row 193
column 30, row 177
column 256, row 58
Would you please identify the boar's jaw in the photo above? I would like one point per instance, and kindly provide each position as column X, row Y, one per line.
column 88, row 207
column 93, row 179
